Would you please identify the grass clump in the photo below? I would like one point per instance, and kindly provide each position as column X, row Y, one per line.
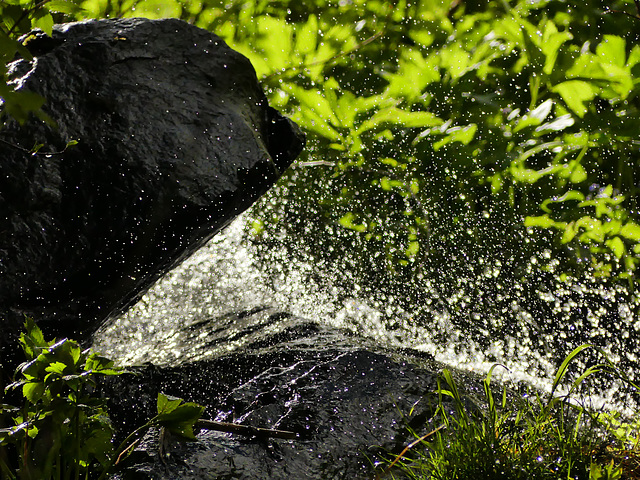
column 515, row 437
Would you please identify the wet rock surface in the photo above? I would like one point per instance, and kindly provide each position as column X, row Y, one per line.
column 343, row 395
column 175, row 138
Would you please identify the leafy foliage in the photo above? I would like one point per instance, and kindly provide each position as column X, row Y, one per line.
column 432, row 126
column 426, row 117
column 62, row 429
column 17, row 18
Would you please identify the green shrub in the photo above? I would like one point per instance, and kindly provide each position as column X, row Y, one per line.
column 61, row 428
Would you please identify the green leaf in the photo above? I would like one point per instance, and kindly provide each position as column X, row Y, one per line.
column 612, row 50
column 322, row 104
column 43, row 20
column 400, row 118
column 412, row 249
column 347, row 221
column 98, row 441
column 20, row 104
column 631, row 231
column 593, row 230
column 307, row 36
column 557, row 124
column 617, row 247
column 182, row 413
column 574, row 171
column 569, row 233
column 575, row 93
column 571, row 195
column 156, row 9
column 180, row 419
column 102, row 365
column 455, row 60
column 64, row 6
column 524, row 175
column 462, row 135
column 33, row 391
column 552, row 40
column 542, row 221
column 167, row 404
column 32, row 340
column 56, row 367
column 535, row 117
column 562, row 370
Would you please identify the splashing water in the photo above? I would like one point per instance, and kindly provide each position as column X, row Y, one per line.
column 232, row 275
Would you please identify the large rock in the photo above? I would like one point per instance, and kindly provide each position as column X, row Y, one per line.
column 348, row 399
column 175, row 138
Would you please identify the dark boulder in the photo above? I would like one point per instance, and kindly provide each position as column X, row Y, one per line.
column 175, row 138
column 349, row 400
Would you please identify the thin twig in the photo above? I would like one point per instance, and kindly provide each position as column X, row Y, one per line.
column 130, row 447
column 316, row 163
column 244, row 429
column 622, row 12
column 33, row 152
column 409, row 447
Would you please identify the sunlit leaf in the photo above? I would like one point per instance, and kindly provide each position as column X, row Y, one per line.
column 524, row 175
column 592, row 229
column 158, row 8
column 167, row 404
column 306, row 37
column 634, row 56
column 556, row 125
column 612, row 49
column 56, row 367
column 414, row 73
column 64, row 6
column 575, row 93
column 33, row 391
column 44, row 21
column 542, row 221
column 571, row 195
column 401, row 118
column 455, row 60
column 412, row 249
column 568, row 233
column 552, row 40
column 348, row 221
column 617, row 246
column 541, row 111
column 631, row 231
column 462, row 135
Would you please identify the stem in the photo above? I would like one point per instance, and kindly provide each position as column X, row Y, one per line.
column 247, row 430
column 76, row 440
column 133, row 436
column 409, row 447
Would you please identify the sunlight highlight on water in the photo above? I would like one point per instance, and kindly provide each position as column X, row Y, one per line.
column 226, row 277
